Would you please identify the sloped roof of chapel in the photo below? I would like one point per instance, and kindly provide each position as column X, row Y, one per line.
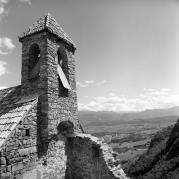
column 13, row 108
column 47, row 22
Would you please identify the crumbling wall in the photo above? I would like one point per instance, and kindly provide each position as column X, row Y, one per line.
column 70, row 155
column 89, row 158
column 19, row 153
column 81, row 155
column 53, row 165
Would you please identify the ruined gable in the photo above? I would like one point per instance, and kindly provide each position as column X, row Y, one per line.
column 30, row 146
column 48, row 81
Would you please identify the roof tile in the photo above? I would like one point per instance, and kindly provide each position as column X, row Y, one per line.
column 47, row 22
column 11, row 112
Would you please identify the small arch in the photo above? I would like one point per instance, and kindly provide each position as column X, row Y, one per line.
column 62, row 91
column 66, row 128
column 34, row 61
column 63, row 59
column 27, row 132
column 60, row 59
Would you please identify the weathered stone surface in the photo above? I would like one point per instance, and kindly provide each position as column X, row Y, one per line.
column 31, row 141
column 27, row 151
column 3, row 161
column 33, row 174
column 9, row 168
column 89, row 158
column 18, row 143
column 6, row 175
column 55, row 162
column 33, row 148
column 17, row 166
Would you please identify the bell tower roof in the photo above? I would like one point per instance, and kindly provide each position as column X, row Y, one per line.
column 48, row 23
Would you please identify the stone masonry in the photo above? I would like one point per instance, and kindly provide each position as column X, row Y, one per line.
column 88, row 157
column 54, row 108
column 31, row 113
column 19, row 152
column 27, row 135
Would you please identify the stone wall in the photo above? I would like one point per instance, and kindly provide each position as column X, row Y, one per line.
column 24, row 153
column 39, row 85
column 52, row 107
column 89, row 158
column 81, row 156
column 37, row 152
column 60, row 108
column 19, row 153
column 53, row 165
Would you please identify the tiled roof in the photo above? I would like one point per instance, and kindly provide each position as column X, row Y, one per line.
column 47, row 22
column 13, row 108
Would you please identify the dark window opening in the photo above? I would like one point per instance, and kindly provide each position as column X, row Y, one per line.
column 63, row 92
column 27, row 132
column 34, row 62
column 60, row 60
column 63, row 60
column 63, row 72
column 96, row 153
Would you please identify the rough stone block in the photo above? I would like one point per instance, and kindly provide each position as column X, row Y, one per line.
column 6, row 175
column 17, row 166
column 3, row 161
column 9, row 168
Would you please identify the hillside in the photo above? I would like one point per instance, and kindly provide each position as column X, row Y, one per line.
column 128, row 136
column 161, row 160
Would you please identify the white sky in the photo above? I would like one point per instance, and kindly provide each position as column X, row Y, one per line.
column 127, row 54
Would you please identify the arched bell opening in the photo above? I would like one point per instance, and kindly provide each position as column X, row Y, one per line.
column 34, row 62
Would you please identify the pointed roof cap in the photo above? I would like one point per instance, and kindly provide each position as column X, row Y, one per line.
column 47, row 22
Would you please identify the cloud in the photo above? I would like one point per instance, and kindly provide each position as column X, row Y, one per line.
column 149, row 99
column 3, row 1
column 26, row 1
column 88, row 83
column 101, row 82
column 82, row 85
column 2, row 8
column 3, row 69
column 111, row 94
column 6, row 45
column 85, row 84
column 3, row 87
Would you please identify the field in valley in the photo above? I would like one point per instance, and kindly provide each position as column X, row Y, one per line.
column 129, row 137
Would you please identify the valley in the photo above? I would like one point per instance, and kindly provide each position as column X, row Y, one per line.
column 128, row 136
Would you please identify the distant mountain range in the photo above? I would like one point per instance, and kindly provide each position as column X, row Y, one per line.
column 88, row 117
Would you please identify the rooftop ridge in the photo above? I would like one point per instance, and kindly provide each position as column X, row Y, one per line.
column 47, row 22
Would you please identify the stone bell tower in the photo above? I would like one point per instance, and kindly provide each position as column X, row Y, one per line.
column 48, row 70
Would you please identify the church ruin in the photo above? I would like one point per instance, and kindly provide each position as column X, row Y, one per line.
column 31, row 113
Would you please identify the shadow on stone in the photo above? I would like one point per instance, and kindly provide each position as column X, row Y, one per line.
column 87, row 156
